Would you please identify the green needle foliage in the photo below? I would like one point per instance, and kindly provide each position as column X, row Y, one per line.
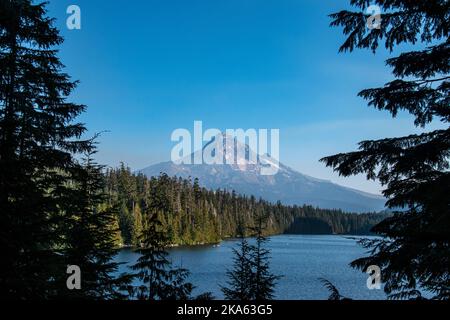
column 264, row 281
column 414, row 253
column 90, row 237
column 241, row 276
column 335, row 295
column 37, row 141
column 251, row 278
column 160, row 280
column 192, row 215
column 53, row 211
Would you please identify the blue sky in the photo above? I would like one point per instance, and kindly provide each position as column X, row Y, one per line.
column 148, row 67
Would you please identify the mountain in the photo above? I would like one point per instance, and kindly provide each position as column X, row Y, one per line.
column 287, row 185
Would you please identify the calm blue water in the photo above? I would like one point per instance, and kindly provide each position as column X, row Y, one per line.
column 301, row 259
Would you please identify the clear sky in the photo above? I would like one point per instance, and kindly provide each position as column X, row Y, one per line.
column 148, row 67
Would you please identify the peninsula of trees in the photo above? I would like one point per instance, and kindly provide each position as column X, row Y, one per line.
column 191, row 215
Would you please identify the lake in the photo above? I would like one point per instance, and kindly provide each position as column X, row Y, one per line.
column 300, row 259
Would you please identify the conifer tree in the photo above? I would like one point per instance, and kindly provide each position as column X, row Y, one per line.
column 90, row 237
column 215, row 215
column 414, row 252
column 126, row 223
column 335, row 295
column 264, row 281
column 251, row 279
column 240, row 278
column 37, row 141
column 137, row 228
column 115, row 228
column 160, row 280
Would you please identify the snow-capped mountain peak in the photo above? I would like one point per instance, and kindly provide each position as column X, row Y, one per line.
column 227, row 163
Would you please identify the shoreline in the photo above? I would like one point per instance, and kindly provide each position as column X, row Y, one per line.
column 217, row 244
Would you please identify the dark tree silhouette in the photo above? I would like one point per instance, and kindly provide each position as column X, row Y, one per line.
column 91, row 226
column 160, row 280
column 334, row 292
column 263, row 281
column 241, row 276
column 414, row 253
column 250, row 278
column 37, row 141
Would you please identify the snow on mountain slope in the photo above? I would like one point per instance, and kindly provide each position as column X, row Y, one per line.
column 287, row 185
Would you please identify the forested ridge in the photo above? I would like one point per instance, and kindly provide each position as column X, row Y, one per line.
column 191, row 214
column 64, row 216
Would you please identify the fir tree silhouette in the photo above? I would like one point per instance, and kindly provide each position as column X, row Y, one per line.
column 240, row 278
column 251, row 278
column 38, row 140
column 161, row 281
column 90, row 237
column 415, row 249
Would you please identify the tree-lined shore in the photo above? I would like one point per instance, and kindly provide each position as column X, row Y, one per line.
column 60, row 209
column 193, row 215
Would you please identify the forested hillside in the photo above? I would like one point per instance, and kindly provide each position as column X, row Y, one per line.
column 194, row 215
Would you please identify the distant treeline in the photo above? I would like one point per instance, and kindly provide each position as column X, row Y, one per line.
column 191, row 214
